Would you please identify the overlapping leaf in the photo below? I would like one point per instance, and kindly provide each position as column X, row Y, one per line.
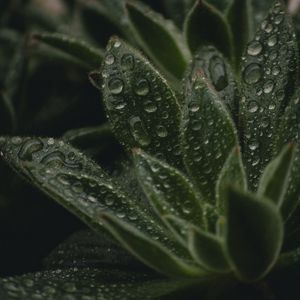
column 141, row 107
column 208, row 135
column 272, row 54
column 167, row 48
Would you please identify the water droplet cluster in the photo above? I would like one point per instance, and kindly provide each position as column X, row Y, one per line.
column 141, row 107
column 268, row 74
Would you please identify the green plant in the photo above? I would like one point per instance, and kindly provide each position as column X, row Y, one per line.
column 209, row 194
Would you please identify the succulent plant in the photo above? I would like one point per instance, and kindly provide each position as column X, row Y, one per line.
column 208, row 192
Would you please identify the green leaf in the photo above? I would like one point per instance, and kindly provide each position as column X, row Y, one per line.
column 77, row 183
column 166, row 45
column 140, row 105
column 232, row 174
column 148, row 250
column 207, row 250
column 87, row 249
column 87, row 283
column 7, row 114
column 239, row 15
column 88, row 55
column 288, row 132
column 274, row 181
column 168, row 190
column 269, row 75
column 254, row 234
column 209, row 60
column 206, row 25
column 208, row 135
column 260, row 9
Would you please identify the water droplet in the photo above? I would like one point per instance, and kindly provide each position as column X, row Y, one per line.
column 266, row 26
column 218, row 73
column 142, row 87
column 117, row 44
column 194, row 106
column 150, row 107
column 161, row 131
column 272, row 106
column 139, row 132
column 272, row 40
column 116, row 86
column 252, row 73
column 29, row 148
column 268, row 87
column 127, row 62
column 253, row 145
column 252, row 106
column 254, row 48
column 109, row 59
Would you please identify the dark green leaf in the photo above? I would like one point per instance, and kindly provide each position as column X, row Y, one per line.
column 233, row 174
column 87, row 284
column 168, row 190
column 221, row 5
column 215, row 67
column 206, row 25
column 140, row 105
column 288, row 132
column 148, row 250
column 77, row 183
column 78, row 49
column 208, row 135
column 254, row 234
column 166, row 45
column 7, row 114
column 274, row 181
column 86, row 249
column 239, row 15
column 207, row 250
column 269, row 74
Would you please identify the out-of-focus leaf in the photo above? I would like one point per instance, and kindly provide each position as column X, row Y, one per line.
column 274, row 181
column 288, row 132
column 232, row 174
column 78, row 49
column 174, row 196
column 141, row 107
column 87, row 284
column 77, row 183
column 86, row 249
column 254, row 234
column 149, row 251
column 166, row 45
column 205, row 25
column 209, row 60
column 269, row 74
column 239, row 15
column 208, row 135
column 207, row 250
column 7, row 115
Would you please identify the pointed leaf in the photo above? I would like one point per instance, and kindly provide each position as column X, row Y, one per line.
column 218, row 71
column 206, row 25
column 239, row 15
column 208, row 136
column 233, row 174
column 254, row 234
column 289, row 132
column 168, row 190
column 86, row 248
column 274, row 181
column 166, row 47
column 141, row 107
column 88, row 283
column 77, row 183
column 207, row 250
column 269, row 75
column 78, row 49
column 148, row 250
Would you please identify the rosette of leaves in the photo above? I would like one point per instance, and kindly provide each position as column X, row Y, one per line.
column 209, row 196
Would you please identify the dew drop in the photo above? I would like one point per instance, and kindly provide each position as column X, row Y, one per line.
column 272, row 40
column 161, row 131
column 116, row 86
column 139, row 132
column 127, row 62
column 252, row 73
column 268, row 87
column 142, row 87
column 218, row 73
column 109, row 59
column 254, row 48
column 252, row 106
column 150, row 107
